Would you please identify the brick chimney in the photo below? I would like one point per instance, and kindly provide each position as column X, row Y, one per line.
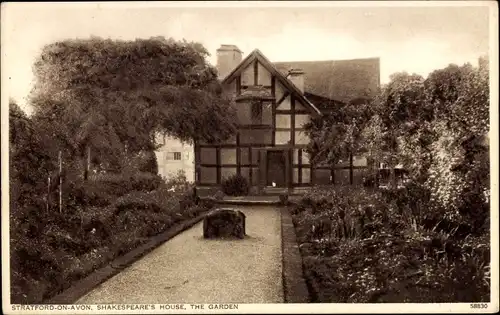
column 297, row 77
column 228, row 57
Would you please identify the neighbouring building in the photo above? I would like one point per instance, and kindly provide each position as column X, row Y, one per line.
column 174, row 157
column 274, row 101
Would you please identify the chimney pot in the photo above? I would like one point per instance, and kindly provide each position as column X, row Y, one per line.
column 297, row 77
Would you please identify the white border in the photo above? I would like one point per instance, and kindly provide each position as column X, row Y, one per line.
column 277, row 308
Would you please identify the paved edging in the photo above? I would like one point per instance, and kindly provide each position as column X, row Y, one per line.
column 242, row 202
column 294, row 284
column 248, row 202
column 85, row 285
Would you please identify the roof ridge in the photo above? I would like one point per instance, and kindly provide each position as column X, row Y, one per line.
column 330, row 60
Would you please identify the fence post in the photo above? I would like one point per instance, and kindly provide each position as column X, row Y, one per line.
column 60, row 182
column 351, row 177
column 48, row 193
column 87, row 168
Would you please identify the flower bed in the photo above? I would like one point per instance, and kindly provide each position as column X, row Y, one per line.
column 359, row 246
column 50, row 251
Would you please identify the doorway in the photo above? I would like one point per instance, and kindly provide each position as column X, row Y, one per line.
column 276, row 166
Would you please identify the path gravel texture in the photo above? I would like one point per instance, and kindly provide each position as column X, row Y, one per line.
column 190, row 269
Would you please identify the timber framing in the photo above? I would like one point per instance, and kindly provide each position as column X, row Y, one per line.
column 285, row 95
column 248, row 153
column 257, row 56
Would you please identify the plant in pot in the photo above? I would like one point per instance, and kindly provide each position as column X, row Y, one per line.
column 284, row 198
column 235, row 185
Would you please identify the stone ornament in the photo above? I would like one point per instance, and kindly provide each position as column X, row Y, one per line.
column 224, row 223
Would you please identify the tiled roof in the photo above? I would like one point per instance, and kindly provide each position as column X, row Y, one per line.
column 339, row 80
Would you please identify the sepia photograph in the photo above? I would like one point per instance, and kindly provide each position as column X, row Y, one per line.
column 249, row 157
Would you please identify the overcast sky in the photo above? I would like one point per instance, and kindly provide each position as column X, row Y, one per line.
column 412, row 39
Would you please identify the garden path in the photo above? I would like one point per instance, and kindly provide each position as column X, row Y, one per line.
column 190, row 269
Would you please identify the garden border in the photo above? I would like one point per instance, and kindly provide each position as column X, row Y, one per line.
column 295, row 289
column 97, row 277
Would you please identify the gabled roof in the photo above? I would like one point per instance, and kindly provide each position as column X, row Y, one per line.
column 339, row 80
column 257, row 55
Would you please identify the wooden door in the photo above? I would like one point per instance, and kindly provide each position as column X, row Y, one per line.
column 276, row 168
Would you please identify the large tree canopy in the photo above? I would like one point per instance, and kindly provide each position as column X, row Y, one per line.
column 115, row 95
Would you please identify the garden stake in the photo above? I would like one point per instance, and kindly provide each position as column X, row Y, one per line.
column 60, row 182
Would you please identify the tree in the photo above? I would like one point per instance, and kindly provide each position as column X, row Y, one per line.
column 336, row 135
column 402, row 110
column 459, row 172
column 29, row 164
column 436, row 128
column 114, row 96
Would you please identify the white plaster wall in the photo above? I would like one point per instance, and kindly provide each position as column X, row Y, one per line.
column 247, row 75
column 168, row 168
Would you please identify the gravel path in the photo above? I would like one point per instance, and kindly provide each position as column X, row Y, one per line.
column 190, row 269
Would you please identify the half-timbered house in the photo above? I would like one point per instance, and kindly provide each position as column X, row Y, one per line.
column 274, row 101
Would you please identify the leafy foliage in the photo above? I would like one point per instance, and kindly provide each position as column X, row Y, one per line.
column 459, row 174
column 435, row 127
column 367, row 246
column 427, row 242
column 336, row 135
column 235, row 185
column 108, row 98
column 51, row 250
column 113, row 96
column 30, row 165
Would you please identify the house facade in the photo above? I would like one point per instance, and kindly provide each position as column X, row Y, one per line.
column 174, row 157
column 274, row 101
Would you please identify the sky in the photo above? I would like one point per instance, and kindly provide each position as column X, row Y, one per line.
column 405, row 37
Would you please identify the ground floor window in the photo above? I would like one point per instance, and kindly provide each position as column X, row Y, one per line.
column 174, row 156
column 287, row 166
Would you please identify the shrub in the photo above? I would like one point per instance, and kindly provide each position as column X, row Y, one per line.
column 49, row 250
column 254, row 191
column 145, row 181
column 89, row 193
column 219, row 195
column 367, row 246
column 284, row 199
column 235, row 185
column 178, row 182
column 459, row 178
column 144, row 161
column 119, row 184
column 137, row 201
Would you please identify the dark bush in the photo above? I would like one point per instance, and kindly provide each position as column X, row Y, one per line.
column 89, row 193
column 146, row 181
column 149, row 163
column 102, row 218
column 284, row 199
column 138, row 201
column 119, row 184
column 235, row 185
column 144, row 161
